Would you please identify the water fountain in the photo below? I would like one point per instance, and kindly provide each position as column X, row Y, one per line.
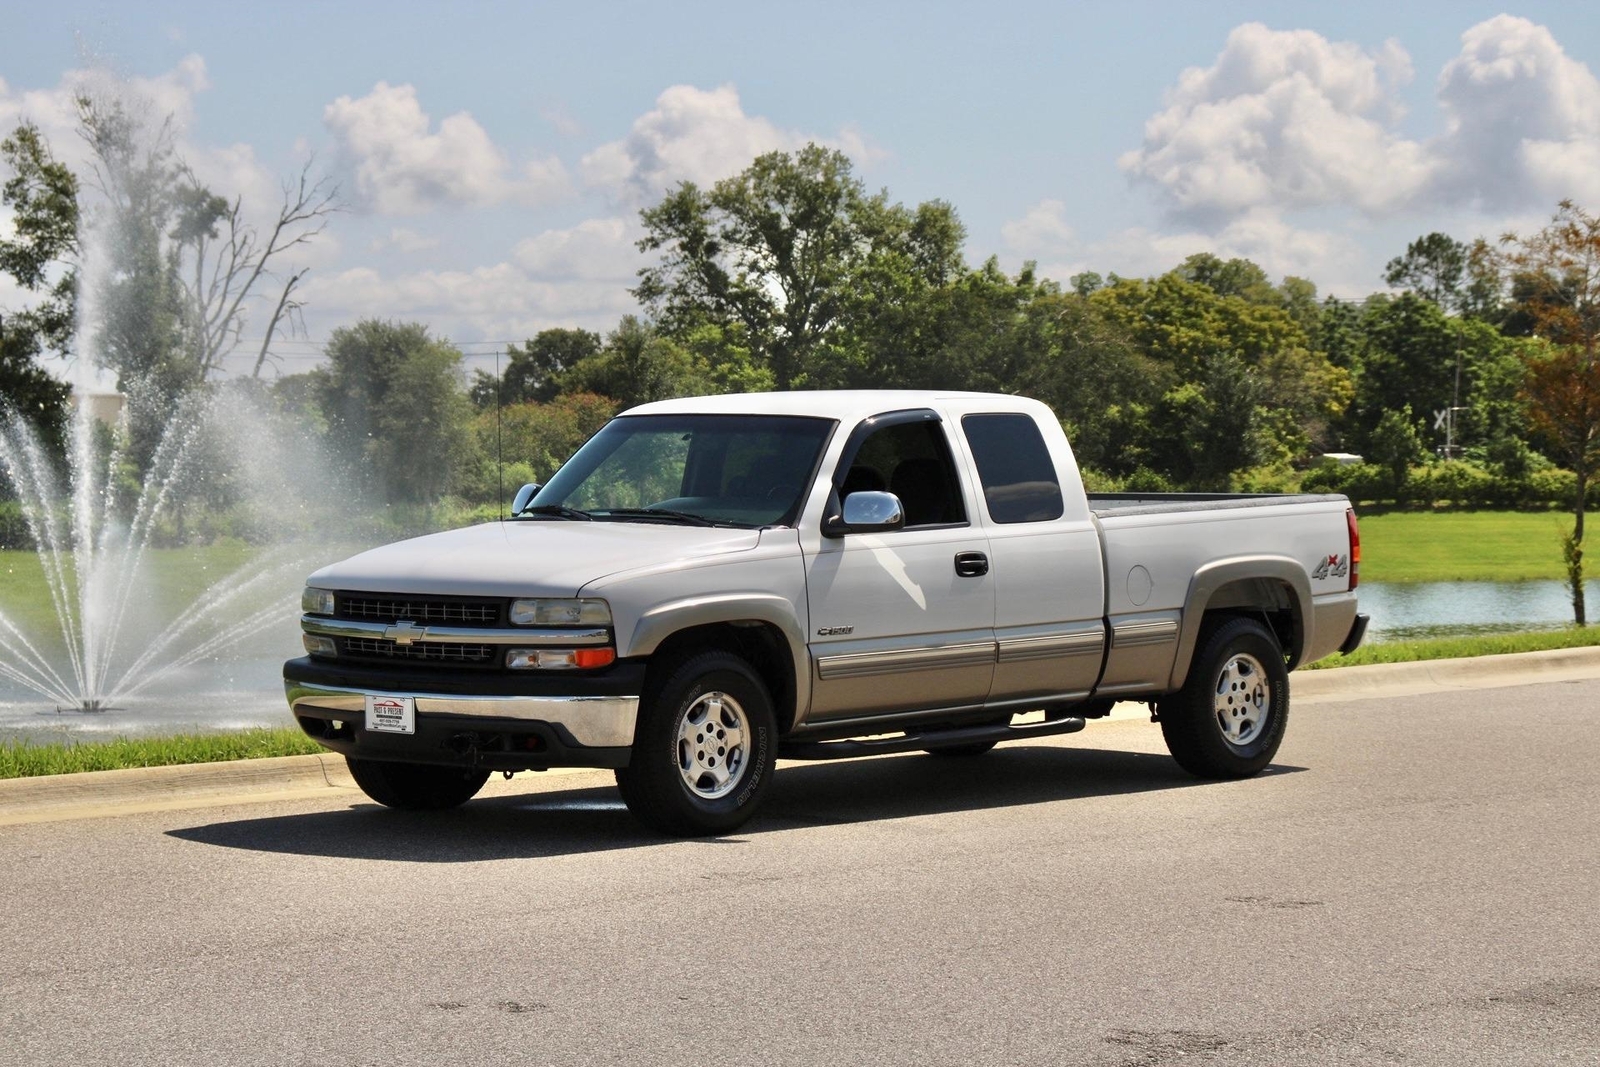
column 93, row 556
column 117, row 636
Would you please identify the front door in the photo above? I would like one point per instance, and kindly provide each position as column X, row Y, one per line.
column 902, row 620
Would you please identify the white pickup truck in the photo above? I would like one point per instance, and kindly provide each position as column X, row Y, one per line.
column 713, row 583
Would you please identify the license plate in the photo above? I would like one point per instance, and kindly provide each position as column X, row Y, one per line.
column 391, row 715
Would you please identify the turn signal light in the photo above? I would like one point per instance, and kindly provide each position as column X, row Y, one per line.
column 559, row 659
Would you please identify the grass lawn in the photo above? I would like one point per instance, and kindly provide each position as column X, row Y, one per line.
column 1449, row 546
column 177, row 576
column 23, row 760
column 1461, row 647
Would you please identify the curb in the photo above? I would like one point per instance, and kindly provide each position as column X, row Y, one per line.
column 92, row 794
column 48, row 798
column 1443, row 675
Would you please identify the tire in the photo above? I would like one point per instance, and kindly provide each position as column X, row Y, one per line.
column 705, row 751
column 1229, row 718
column 416, row 786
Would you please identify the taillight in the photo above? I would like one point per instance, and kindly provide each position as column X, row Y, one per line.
column 1355, row 546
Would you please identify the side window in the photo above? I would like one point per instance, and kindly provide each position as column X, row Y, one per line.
column 912, row 461
column 1019, row 480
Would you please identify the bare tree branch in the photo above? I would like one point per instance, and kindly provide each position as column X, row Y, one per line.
column 286, row 308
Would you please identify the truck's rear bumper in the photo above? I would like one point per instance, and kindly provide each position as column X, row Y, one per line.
column 496, row 730
column 1358, row 630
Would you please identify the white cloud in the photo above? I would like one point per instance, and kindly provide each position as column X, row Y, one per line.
column 1286, row 119
column 1289, row 120
column 1335, row 260
column 1043, row 231
column 594, row 249
column 404, row 166
column 403, row 240
column 1522, row 119
column 166, row 98
column 561, row 120
column 500, row 302
column 701, row 136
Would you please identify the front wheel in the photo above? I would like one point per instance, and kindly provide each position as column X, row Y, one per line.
column 706, row 748
column 1228, row 719
column 416, row 786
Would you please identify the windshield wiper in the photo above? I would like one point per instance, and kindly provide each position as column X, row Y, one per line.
column 684, row 517
column 558, row 511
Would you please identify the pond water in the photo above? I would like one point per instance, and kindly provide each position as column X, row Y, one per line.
column 1404, row 611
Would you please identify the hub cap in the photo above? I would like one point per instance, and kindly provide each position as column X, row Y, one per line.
column 1243, row 700
column 712, row 738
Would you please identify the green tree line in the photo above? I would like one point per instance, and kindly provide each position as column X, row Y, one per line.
column 1472, row 379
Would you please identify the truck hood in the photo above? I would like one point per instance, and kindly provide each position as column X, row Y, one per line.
column 526, row 558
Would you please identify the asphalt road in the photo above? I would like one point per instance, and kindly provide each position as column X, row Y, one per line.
column 1414, row 883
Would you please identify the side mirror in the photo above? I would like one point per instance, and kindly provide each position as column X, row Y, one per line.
column 867, row 512
column 524, row 495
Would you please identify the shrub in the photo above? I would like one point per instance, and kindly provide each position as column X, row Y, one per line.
column 1457, row 482
column 1270, row 478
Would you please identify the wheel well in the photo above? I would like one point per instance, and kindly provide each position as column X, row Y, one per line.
column 759, row 644
column 1270, row 602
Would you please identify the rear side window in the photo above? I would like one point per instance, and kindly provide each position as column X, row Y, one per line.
column 1019, row 480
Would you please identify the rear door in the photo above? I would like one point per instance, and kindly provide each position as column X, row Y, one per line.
column 903, row 620
column 1045, row 556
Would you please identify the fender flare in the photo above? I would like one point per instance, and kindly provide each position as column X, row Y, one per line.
column 664, row 620
column 1219, row 573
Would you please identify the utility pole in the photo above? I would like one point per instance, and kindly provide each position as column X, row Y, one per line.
column 1446, row 420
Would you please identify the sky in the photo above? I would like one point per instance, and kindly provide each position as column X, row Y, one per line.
column 492, row 158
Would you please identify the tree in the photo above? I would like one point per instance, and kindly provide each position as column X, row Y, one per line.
column 637, row 365
column 1232, row 277
column 1409, row 354
column 395, row 409
column 1433, row 267
column 791, row 251
column 528, row 441
column 533, row 371
column 1395, row 445
column 1210, row 427
column 43, row 197
column 1561, row 268
column 186, row 262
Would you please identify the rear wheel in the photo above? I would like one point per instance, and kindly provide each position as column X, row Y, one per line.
column 1229, row 718
column 416, row 786
column 706, row 748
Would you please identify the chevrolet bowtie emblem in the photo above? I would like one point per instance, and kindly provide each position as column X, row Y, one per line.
column 404, row 633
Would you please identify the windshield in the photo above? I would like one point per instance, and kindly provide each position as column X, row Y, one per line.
column 727, row 470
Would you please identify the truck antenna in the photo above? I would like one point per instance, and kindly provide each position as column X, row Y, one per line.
column 499, row 453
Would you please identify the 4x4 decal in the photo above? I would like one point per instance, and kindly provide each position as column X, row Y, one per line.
column 1335, row 566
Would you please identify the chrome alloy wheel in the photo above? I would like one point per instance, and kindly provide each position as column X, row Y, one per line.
column 712, row 745
column 1243, row 700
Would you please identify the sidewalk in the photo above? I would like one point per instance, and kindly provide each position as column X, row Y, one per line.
column 103, row 793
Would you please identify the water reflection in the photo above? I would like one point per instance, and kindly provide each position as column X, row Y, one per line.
column 1402, row 611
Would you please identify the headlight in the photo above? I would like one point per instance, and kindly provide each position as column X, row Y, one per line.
column 550, row 612
column 316, row 601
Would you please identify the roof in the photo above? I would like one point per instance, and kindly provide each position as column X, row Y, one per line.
column 847, row 405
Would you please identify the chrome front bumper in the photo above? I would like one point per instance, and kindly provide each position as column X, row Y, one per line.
column 592, row 721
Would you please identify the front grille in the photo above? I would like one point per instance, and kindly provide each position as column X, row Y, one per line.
column 428, row 651
column 453, row 611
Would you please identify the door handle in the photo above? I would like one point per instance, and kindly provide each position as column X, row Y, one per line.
column 972, row 564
